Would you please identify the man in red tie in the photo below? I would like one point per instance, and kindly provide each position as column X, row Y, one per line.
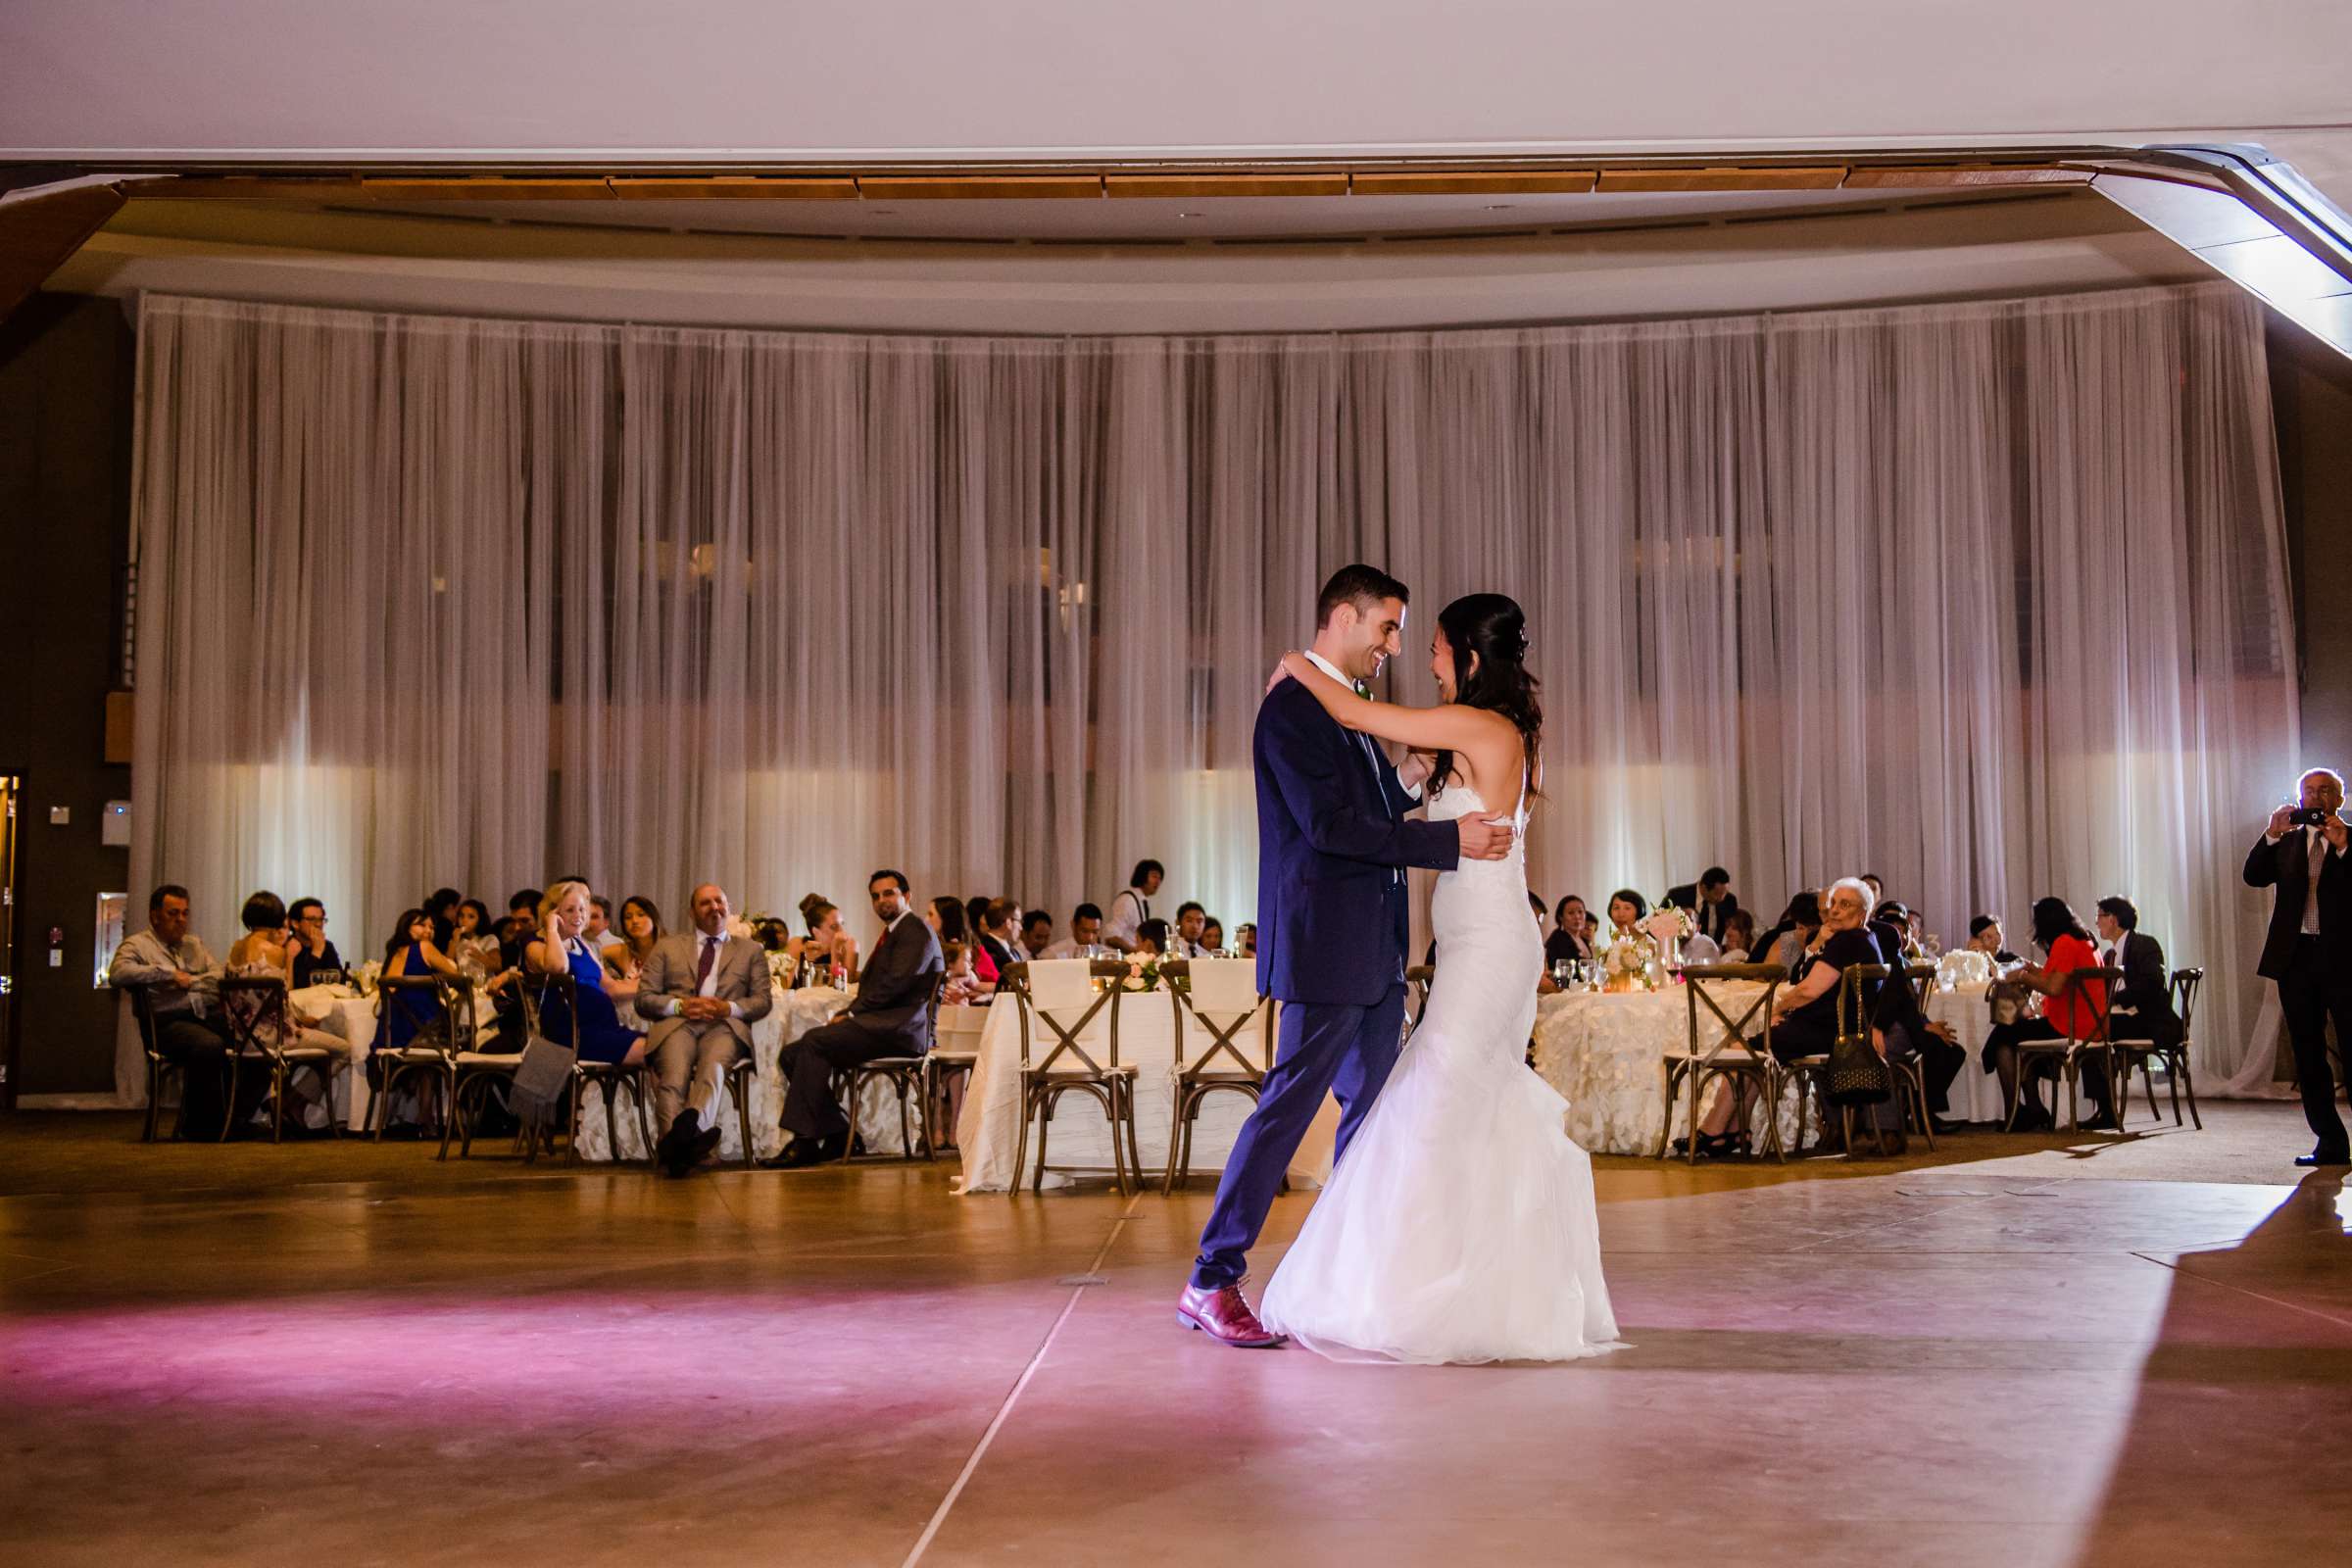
column 702, row 990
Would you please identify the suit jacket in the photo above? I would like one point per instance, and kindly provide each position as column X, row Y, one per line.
column 895, row 989
column 1332, row 843
column 2286, row 866
column 2146, row 991
column 1710, row 918
column 739, row 974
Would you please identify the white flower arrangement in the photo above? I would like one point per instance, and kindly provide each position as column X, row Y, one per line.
column 1627, row 957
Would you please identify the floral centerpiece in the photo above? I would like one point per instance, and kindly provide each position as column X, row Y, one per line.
column 1143, row 975
column 1668, row 927
column 1625, row 962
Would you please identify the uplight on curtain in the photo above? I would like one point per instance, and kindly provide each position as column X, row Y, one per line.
column 1987, row 598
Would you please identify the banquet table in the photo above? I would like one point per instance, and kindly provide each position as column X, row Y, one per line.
column 990, row 1128
column 1605, row 1053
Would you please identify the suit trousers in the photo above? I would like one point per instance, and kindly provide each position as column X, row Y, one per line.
column 2309, row 996
column 809, row 1063
column 689, row 1059
column 199, row 1047
column 1324, row 1047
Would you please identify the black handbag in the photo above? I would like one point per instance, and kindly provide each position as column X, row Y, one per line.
column 1858, row 1075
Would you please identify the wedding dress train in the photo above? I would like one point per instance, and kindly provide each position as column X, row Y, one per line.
column 1462, row 1225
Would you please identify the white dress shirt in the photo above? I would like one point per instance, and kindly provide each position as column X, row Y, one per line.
column 2320, row 849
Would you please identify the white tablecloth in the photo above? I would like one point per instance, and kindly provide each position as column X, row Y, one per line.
column 990, row 1127
column 1605, row 1053
column 1976, row 1094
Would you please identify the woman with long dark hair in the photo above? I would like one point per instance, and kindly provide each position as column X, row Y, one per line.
column 2069, row 1013
column 1461, row 1225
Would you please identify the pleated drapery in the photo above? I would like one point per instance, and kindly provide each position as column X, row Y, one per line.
column 1987, row 598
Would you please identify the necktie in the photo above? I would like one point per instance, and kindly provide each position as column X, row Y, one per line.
column 701, row 970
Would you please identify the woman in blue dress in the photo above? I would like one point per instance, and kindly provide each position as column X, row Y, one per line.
column 559, row 949
column 411, row 955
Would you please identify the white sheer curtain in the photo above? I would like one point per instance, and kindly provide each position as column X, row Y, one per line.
column 1988, row 598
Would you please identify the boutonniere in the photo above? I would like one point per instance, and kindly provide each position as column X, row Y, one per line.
column 1363, row 689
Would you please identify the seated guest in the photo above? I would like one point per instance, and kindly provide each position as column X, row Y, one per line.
column 994, row 939
column 1804, row 1011
column 1212, row 934
column 1878, row 888
column 1739, row 937
column 316, row 961
column 475, row 944
column 624, row 961
column 1791, row 935
column 2143, row 1007
column 774, row 936
column 890, row 1016
column 562, row 948
column 1246, row 934
column 1132, row 907
column 949, row 921
column 962, row 987
column 1626, row 910
column 1905, row 1031
column 1985, row 936
column 975, row 915
column 1184, row 943
column 1568, row 943
column 441, row 906
column 180, row 979
column 265, row 952
column 1086, row 933
column 828, row 945
column 2067, row 947
column 525, row 901
column 1709, row 900
column 599, row 934
column 1150, row 940
column 701, row 991
column 409, row 953
column 1037, row 934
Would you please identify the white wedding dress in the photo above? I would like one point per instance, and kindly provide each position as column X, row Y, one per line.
column 1462, row 1225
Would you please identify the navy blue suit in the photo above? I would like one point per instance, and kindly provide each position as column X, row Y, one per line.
column 1332, row 921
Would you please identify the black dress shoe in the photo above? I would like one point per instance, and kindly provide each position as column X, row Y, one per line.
column 675, row 1150
column 2319, row 1157
column 2100, row 1124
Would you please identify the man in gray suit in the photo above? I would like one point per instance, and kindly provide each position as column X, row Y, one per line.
column 702, row 991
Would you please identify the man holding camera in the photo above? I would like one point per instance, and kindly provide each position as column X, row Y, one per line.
column 2309, row 949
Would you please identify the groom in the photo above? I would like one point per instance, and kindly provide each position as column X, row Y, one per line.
column 1332, row 915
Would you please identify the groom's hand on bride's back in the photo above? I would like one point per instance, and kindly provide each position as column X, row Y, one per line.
column 1483, row 840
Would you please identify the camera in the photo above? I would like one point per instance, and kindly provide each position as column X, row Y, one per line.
column 2309, row 816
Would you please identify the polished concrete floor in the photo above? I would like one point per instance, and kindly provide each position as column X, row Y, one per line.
column 2018, row 1352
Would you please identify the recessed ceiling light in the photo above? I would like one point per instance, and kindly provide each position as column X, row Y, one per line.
column 1188, row 214
column 1500, row 207
column 884, row 212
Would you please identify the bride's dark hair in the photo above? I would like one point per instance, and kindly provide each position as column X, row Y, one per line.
column 1494, row 629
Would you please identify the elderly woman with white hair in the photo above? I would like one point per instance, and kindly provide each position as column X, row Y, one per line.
column 1804, row 1013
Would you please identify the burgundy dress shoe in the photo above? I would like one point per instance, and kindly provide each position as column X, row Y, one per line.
column 1224, row 1315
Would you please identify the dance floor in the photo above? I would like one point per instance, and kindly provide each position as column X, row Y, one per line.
column 2017, row 1351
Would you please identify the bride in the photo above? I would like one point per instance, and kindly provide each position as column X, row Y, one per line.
column 1462, row 1225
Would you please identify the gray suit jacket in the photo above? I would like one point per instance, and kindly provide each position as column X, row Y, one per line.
column 740, row 971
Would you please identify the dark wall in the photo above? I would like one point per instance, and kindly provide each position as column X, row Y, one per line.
column 65, row 365
column 2311, row 385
